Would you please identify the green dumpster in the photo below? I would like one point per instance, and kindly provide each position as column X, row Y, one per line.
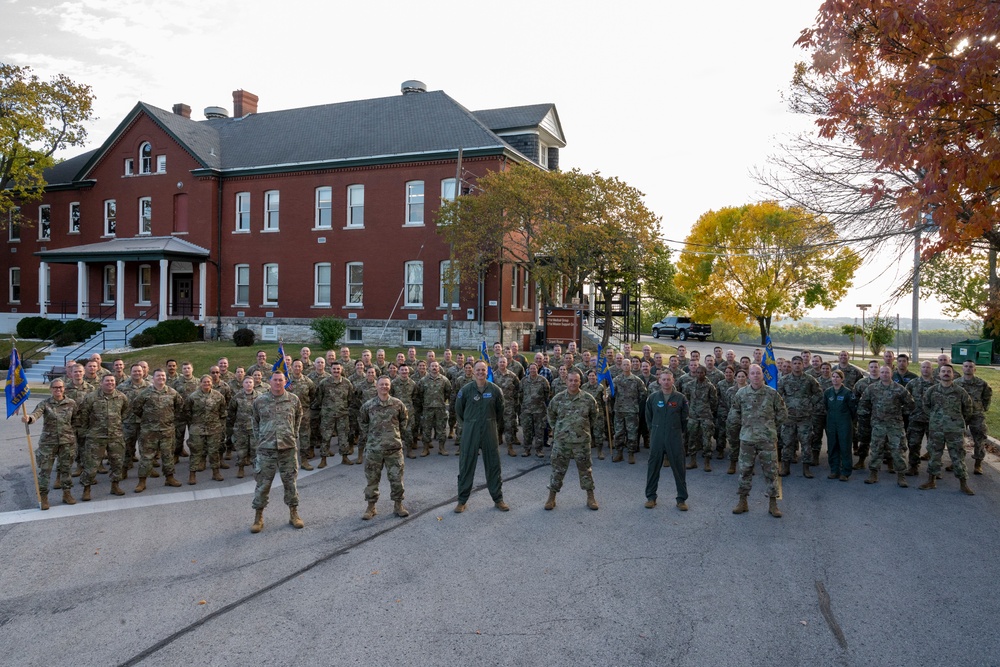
column 979, row 351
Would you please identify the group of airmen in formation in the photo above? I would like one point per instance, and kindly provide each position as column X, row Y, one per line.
column 679, row 408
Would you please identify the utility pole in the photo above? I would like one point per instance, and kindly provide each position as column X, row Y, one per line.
column 915, row 321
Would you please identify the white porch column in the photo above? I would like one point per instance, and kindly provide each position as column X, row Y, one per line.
column 202, row 289
column 43, row 270
column 119, row 290
column 164, row 277
column 81, row 290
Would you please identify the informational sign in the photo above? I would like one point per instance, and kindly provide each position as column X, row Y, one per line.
column 562, row 325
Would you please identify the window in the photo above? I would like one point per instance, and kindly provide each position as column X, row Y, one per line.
column 354, row 336
column 242, row 285
column 15, row 285
column 525, row 285
column 448, row 189
column 355, row 206
column 355, row 284
column 413, row 336
column 145, row 215
column 74, row 218
column 270, row 284
column 414, row 284
column 145, row 283
column 243, row 211
column 514, row 292
column 14, row 224
column 449, row 283
column 415, row 203
column 145, row 159
column 324, row 210
column 161, row 164
column 271, row 211
column 110, row 283
column 110, row 216
column 129, row 166
column 321, row 293
column 44, row 222
column 543, row 155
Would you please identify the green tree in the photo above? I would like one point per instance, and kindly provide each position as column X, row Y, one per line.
column 758, row 261
column 37, row 118
column 879, row 331
column 960, row 281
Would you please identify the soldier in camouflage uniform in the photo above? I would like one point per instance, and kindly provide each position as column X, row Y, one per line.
column 600, row 394
column 802, row 396
column 205, row 413
column 239, row 424
column 851, row 372
column 155, row 408
column 756, row 414
column 948, row 409
column 703, row 403
column 887, row 402
column 981, row 394
column 304, row 388
column 727, row 382
column 276, row 417
column 511, row 387
column 533, row 399
column 433, row 394
column 572, row 415
column 917, row 428
column 262, row 365
column 333, row 402
column 403, row 388
column 863, row 430
column 130, row 428
column 101, row 416
column 57, row 441
column 630, row 396
column 185, row 384
column 559, row 383
column 380, row 419
column 76, row 390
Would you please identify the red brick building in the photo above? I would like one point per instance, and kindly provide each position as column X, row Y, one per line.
column 271, row 219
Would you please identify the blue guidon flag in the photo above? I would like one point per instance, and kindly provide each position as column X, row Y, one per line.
column 769, row 366
column 17, row 385
column 486, row 357
column 280, row 365
column 603, row 372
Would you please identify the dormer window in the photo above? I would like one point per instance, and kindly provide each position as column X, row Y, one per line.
column 145, row 158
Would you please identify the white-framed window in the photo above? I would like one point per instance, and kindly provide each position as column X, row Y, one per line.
column 145, row 158
column 110, row 283
column 145, row 216
column 243, row 211
column 145, row 291
column 110, row 217
column 526, row 292
column 242, row 285
column 324, row 208
column 14, row 295
column 44, row 222
column 14, row 224
column 413, row 336
column 354, row 336
column 543, row 155
column 270, row 284
column 514, row 292
column 355, row 206
column 447, row 189
column 414, row 283
column 321, row 289
column 415, row 203
column 161, row 164
column 271, row 206
column 449, row 277
column 355, row 284
column 129, row 166
column 74, row 217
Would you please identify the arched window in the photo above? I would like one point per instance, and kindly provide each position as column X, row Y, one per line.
column 145, row 158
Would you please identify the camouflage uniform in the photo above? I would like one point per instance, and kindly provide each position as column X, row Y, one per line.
column 598, row 391
column 819, row 416
column 404, row 390
column 332, row 401
column 917, row 429
column 863, row 431
column 433, row 394
column 852, row 375
column 458, row 380
column 101, row 417
column 722, row 387
column 155, row 409
column 78, row 393
column 572, row 419
column 205, row 414
column 275, row 421
column 732, row 436
column 947, row 410
column 380, row 422
column 57, row 441
column 185, row 387
column 754, row 419
column 239, row 424
column 981, row 394
column 801, row 395
column 511, row 386
column 304, row 388
column 130, row 428
column 630, row 397
column 887, row 404
column 703, row 402
column 315, row 434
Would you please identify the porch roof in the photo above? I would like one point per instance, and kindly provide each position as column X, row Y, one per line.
column 135, row 249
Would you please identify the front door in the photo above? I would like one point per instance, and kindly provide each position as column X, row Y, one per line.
column 183, row 303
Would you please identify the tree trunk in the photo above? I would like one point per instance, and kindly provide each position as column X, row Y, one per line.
column 765, row 328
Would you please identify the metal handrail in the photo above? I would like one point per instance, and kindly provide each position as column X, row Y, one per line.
column 101, row 341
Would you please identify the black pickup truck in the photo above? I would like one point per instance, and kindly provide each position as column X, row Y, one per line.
column 681, row 327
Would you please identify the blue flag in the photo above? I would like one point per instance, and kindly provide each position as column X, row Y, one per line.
column 486, row 357
column 769, row 366
column 17, row 385
column 281, row 366
column 603, row 372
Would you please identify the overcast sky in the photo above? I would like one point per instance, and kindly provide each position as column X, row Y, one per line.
column 681, row 100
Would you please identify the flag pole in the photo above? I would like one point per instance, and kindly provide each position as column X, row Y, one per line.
column 31, row 454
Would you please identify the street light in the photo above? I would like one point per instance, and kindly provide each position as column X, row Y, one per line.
column 864, row 307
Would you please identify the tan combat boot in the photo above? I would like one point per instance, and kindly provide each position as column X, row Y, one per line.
column 872, row 477
column 786, row 469
column 427, row 449
column 931, row 483
column 192, row 478
column 141, row 486
column 901, row 480
column 153, row 472
column 619, row 455
column 502, row 506
column 600, row 452
column 441, row 449
column 510, row 450
column 361, row 456
column 527, row 451
column 68, row 498
column 239, row 472
column 650, row 504
column 912, row 471
column 682, row 506
column 963, row 485
column 303, row 463
column 258, row 522
column 346, row 461
column 216, row 475
column 171, row 481
column 116, row 490
column 400, row 511
column 708, row 463
column 44, row 502
column 459, row 508
column 666, row 462
column 411, row 453
column 732, row 468
column 806, row 472
column 550, row 504
column 978, row 468
column 693, row 463
column 591, row 500
column 741, row 506
column 631, row 458
column 293, row 517
column 322, row 461
column 860, row 465
column 772, row 508
column 86, row 494
column 370, row 512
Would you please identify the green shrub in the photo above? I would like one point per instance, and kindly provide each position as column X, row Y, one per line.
column 46, row 328
column 81, row 330
column 144, row 339
column 26, row 327
column 64, row 338
column 329, row 330
column 244, row 337
column 174, row 331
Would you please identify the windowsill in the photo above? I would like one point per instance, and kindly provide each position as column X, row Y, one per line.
column 353, row 306
column 107, row 303
column 108, row 236
column 241, row 231
column 14, row 303
column 144, row 234
column 322, row 229
column 414, row 224
column 71, row 232
column 321, row 305
column 354, row 227
column 240, row 305
column 144, row 304
column 44, row 240
column 454, row 306
column 269, row 231
column 268, row 305
column 13, row 240
column 416, row 306
column 178, row 233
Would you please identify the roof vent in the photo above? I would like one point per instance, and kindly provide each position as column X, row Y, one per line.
column 413, row 86
column 216, row 112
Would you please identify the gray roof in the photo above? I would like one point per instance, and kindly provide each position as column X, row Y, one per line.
column 66, row 171
column 509, row 118
column 137, row 248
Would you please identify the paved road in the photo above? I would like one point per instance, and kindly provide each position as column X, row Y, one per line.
column 852, row 575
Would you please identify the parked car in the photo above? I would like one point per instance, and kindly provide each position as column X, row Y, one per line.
column 599, row 325
column 682, row 328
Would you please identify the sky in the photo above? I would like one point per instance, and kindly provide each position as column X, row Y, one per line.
column 680, row 100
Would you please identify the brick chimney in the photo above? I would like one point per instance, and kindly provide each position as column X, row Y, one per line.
column 182, row 110
column 244, row 103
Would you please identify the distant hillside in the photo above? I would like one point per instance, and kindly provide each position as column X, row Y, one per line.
column 904, row 323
